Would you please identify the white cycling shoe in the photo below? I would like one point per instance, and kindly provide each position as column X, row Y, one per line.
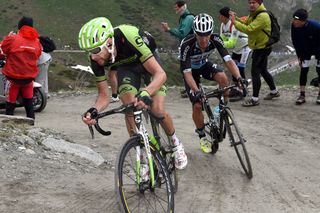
column 180, row 156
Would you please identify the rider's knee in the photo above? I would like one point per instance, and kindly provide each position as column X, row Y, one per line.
column 197, row 106
column 222, row 80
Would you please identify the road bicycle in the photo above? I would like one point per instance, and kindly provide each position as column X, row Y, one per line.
column 145, row 175
column 226, row 125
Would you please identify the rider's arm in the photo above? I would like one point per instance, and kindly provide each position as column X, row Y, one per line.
column 101, row 103
column 103, row 98
column 112, row 74
column 185, row 65
column 159, row 76
column 232, row 67
column 230, row 64
column 190, row 81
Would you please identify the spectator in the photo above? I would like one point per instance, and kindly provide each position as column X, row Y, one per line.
column 22, row 52
column 48, row 46
column 43, row 66
column 256, row 27
column 184, row 28
column 238, row 42
column 305, row 35
column 185, row 21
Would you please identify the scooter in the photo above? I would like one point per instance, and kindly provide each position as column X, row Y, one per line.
column 39, row 96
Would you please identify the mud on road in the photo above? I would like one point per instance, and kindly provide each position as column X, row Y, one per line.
column 282, row 140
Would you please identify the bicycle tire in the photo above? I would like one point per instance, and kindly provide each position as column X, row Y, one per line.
column 158, row 199
column 169, row 156
column 211, row 130
column 236, row 139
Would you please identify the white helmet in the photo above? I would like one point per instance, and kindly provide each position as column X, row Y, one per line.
column 203, row 24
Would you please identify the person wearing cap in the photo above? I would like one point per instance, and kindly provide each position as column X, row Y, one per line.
column 257, row 26
column 22, row 51
column 238, row 42
column 184, row 28
column 305, row 36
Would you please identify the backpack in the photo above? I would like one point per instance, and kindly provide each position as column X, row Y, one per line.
column 47, row 43
column 274, row 37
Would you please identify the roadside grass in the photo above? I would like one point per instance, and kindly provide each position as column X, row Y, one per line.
column 290, row 77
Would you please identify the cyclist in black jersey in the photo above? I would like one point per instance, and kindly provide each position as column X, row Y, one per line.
column 194, row 53
column 133, row 54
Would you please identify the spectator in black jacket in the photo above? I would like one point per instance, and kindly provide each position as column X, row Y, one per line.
column 305, row 35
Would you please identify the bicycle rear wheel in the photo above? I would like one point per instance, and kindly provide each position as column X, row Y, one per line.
column 142, row 197
column 238, row 142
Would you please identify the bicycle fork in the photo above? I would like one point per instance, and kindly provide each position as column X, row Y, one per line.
column 141, row 130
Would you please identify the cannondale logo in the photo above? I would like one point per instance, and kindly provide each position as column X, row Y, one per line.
column 137, row 119
column 138, row 41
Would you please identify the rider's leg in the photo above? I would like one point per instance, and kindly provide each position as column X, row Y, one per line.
column 158, row 109
column 197, row 116
column 222, row 79
column 127, row 98
column 128, row 81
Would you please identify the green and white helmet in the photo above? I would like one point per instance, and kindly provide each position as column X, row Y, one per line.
column 95, row 33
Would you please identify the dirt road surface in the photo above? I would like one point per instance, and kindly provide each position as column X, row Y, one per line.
column 282, row 140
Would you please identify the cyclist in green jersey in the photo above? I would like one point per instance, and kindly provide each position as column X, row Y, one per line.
column 133, row 54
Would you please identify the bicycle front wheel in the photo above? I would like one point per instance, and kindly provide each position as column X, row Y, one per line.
column 238, row 142
column 136, row 193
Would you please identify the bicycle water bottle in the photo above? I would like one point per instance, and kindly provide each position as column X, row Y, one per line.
column 216, row 115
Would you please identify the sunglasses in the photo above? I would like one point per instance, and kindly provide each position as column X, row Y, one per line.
column 97, row 50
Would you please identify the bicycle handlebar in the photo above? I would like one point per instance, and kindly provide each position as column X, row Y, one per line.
column 217, row 93
column 122, row 109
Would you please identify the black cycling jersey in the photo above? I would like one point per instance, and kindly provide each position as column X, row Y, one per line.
column 133, row 46
column 191, row 57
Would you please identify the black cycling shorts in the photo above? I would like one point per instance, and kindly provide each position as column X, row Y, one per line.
column 207, row 71
column 132, row 76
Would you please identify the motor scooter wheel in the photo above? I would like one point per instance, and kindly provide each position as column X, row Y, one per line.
column 39, row 99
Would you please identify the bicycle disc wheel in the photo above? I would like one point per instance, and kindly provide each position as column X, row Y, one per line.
column 169, row 156
column 142, row 197
column 238, row 142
